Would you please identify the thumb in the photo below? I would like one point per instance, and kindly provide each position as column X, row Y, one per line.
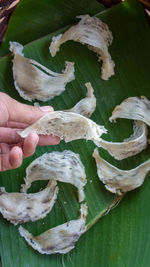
column 21, row 112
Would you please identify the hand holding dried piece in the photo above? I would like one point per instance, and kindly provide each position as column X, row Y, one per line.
column 93, row 32
column 120, row 181
column 14, row 117
column 34, row 81
column 60, row 239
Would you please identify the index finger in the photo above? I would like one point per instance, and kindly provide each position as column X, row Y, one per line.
column 23, row 113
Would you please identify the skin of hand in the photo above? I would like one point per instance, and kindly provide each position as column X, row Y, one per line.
column 15, row 116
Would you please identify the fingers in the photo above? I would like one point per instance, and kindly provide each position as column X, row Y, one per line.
column 17, row 125
column 29, row 144
column 15, row 157
column 17, row 112
column 32, row 140
column 3, row 110
column 46, row 140
column 9, row 136
column 10, row 158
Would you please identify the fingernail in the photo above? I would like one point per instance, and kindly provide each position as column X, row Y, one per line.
column 46, row 109
column 19, row 153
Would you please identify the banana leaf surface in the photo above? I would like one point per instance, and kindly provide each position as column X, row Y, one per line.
column 33, row 19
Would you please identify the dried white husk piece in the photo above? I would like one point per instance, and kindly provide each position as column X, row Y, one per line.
column 93, row 32
column 120, row 181
column 66, row 125
column 87, row 105
column 134, row 108
column 21, row 207
column 60, row 239
column 129, row 147
column 63, row 166
column 34, row 81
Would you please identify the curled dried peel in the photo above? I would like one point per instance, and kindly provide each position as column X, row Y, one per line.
column 67, row 125
column 87, row 105
column 129, row 147
column 134, row 108
column 63, row 166
column 21, row 207
column 120, row 181
column 93, row 32
column 60, row 239
column 34, row 81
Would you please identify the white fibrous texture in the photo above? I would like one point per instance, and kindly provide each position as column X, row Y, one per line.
column 66, row 125
column 21, row 207
column 60, row 239
column 93, row 32
column 87, row 105
column 129, row 147
column 134, row 108
column 63, row 166
column 34, row 81
column 120, row 181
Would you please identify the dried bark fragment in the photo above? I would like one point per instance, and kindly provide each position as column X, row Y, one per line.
column 34, row 81
column 93, row 32
column 60, row 239
column 133, row 108
column 87, row 105
column 129, row 147
column 21, row 207
column 63, row 166
column 120, row 181
column 67, row 125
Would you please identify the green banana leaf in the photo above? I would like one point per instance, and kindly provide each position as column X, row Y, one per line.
column 34, row 19
column 122, row 237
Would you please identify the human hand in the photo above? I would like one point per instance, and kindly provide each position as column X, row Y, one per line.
column 15, row 116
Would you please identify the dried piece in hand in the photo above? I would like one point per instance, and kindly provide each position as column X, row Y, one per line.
column 63, row 166
column 34, row 81
column 120, row 181
column 60, row 239
column 87, row 105
column 21, row 207
column 66, row 125
column 129, row 147
column 133, row 108
column 93, row 32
